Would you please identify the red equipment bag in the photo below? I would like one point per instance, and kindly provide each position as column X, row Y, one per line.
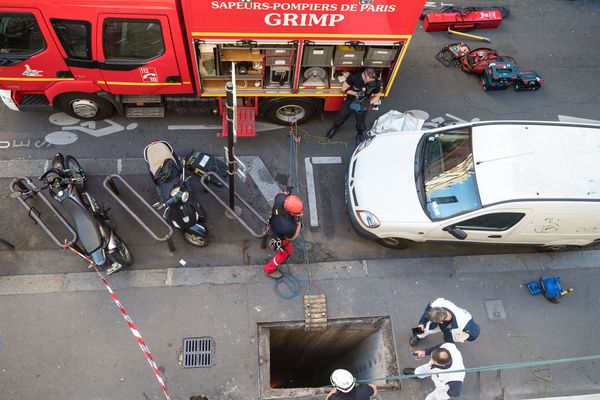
column 462, row 21
column 476, row 61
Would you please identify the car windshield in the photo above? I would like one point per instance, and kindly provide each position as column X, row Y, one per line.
column 446, row 174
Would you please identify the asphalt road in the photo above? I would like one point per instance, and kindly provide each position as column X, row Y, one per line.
column 559, row 40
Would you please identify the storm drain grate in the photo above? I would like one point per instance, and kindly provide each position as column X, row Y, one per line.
column 197, row 352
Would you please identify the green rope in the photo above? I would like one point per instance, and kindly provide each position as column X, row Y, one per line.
column 289, row 282
column 294, row 179
column 523, row 364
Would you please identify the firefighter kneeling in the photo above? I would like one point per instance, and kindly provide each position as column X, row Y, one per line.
column 284, row 226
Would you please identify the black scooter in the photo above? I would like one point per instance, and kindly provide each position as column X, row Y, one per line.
column 66, row 181
column 180, row 208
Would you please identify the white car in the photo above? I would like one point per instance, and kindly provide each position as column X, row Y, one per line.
column 509, row 182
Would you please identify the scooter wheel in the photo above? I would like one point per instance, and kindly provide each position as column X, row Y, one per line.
column 196, row 240
column 122, row 255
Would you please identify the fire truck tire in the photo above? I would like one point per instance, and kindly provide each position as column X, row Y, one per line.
column 284, row 111
column 85, row 106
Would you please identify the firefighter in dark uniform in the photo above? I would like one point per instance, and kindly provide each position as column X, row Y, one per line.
column 284, row 226
column 362, row 91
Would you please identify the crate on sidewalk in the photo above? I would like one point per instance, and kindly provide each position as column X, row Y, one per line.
column 315, row 311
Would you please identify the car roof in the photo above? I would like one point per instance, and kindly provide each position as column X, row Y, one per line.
column 536, row 160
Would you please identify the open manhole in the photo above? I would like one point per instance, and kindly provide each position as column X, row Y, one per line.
column 197, row 352
column 294, row 362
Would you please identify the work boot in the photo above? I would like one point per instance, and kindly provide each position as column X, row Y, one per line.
column 331, row 132
column 275, row 275
column 408, row 371
column 414, row 339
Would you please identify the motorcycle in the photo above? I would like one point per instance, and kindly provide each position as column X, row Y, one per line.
column 174, row 191
column 67, row 183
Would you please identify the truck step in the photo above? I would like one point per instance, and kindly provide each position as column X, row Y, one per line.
column 246, row 122
column 140, row 98
column 191, row 104
column 34, row 102
column 145, row 112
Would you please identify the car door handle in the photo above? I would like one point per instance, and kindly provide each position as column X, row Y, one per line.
column 495, row 236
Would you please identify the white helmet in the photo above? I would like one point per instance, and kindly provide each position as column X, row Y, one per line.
column 342, row 380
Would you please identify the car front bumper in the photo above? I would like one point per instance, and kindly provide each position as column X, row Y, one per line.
column 355, row 223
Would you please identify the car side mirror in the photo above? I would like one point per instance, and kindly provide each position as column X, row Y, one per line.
column 457, row 233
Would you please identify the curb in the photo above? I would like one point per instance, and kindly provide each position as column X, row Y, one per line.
column 239, row 275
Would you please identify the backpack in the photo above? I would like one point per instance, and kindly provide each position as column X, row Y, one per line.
column 476, row 61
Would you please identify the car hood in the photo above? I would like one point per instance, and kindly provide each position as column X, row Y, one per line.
column 384, row 178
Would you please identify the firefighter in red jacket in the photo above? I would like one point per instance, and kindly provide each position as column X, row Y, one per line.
column 284, row 226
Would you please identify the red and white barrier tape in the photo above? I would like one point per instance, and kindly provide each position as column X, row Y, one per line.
column 134, row 330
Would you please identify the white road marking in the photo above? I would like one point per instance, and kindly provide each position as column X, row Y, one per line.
column 262, row 177
column 265, row 126
column 108, row 130
column 310, row 184
column 312, row 196
column 89, row 127
column 61, row 138
column 192, row 127
column 456, row 118
column 566, row 118
column 260, row 127
column 62, row 119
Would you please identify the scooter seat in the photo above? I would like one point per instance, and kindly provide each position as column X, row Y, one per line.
column 156, row 154
column 85, row 225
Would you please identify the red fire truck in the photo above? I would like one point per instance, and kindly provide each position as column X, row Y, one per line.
column 94, row 58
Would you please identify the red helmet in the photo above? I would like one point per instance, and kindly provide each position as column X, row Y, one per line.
column 293, row 205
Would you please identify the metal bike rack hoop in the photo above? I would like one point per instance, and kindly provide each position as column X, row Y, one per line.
column 110, row 186
column 35, row 214
column 213, row 175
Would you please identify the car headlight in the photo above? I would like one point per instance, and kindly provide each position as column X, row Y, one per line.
column 367, row 219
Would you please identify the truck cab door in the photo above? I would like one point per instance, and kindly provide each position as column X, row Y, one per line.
column 136, row 55
column 29, row 58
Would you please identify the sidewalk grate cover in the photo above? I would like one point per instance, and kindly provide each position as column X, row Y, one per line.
column 495, row 309
column 197, row 352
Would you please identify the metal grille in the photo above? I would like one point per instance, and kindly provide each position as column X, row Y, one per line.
column 197, row 352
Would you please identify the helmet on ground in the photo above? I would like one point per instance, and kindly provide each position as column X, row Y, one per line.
column 293, row 205
column 342, row 380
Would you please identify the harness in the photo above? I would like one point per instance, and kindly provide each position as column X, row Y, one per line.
column 275, row 242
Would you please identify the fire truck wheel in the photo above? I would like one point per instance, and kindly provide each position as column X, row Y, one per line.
column 285, row 111
column 86, row 106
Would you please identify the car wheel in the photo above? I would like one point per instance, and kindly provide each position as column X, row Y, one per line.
column 558, row 247
column 85, row 106
column 394, row 243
